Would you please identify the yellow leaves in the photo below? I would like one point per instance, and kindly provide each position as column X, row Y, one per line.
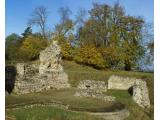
column 90, row 55
column 31, row 47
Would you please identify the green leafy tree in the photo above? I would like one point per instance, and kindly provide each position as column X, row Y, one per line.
column 12, row 44
column 151, row 48
column 131, row 36
column 117, row 35
column 27, row 32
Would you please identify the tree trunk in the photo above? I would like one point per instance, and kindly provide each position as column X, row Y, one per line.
column 127, row 66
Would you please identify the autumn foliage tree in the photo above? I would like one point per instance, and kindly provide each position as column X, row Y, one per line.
column 64, row 33
column 118, row 36
column 106, row 38
column 31, row 47
column 89, row 55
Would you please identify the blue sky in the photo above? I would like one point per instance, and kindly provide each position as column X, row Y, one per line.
column 19, row 11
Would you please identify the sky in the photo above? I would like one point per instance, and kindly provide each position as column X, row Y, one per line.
column 17, row 12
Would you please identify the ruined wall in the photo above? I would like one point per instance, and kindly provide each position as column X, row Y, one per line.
column 139, row 88
column 34, row 77
column 94, row 89
column 140, row 94
column 120, row 83
column 98, row 86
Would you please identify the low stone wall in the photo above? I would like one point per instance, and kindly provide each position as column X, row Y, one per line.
column 120, row 83
column 94, row 89
column 93, row 94
column 139, row 88
column 97, row 86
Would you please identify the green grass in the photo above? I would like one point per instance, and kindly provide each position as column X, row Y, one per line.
column 65, row 97
column 136, row 112
column 76, row 73
column 47, row 113
column 79, row 72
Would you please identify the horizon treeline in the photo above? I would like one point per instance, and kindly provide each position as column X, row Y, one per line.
column 106, row 38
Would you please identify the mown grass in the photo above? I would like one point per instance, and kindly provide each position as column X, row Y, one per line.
column 47, row 113
column 65, row 97
column 76, row 73
column 136, row 112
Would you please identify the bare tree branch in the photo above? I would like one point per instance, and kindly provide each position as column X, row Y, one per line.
column 39, row 18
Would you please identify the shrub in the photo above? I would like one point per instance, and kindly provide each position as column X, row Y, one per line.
column 12, row 45
column 89, row 55
column 67, row 51
column 31, row 47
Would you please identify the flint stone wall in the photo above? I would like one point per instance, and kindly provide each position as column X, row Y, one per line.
column 93, row 94
column 49, row 74
column 94, row 89
column 97, row 86
column 120, row 83
column 20, row 69
column 140, row 94
column 139, row 87
column 50, row 59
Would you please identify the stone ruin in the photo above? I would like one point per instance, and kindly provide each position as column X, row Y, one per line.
column 138, row 87
column 94, row 89
column 49, row 74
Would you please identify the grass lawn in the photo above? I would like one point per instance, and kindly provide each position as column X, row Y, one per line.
column 65, row 97
column 76, row 73
column 46, row 113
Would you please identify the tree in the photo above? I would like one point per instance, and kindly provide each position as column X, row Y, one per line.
column 80, row 17
column 151, row 48
column 31, row 47
column 89, row 55
column 131, row 36
column 118, row 36
column 12, row 44
column 64, row 33
column 27, row 32
column 64, row 12
column 39, row 18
